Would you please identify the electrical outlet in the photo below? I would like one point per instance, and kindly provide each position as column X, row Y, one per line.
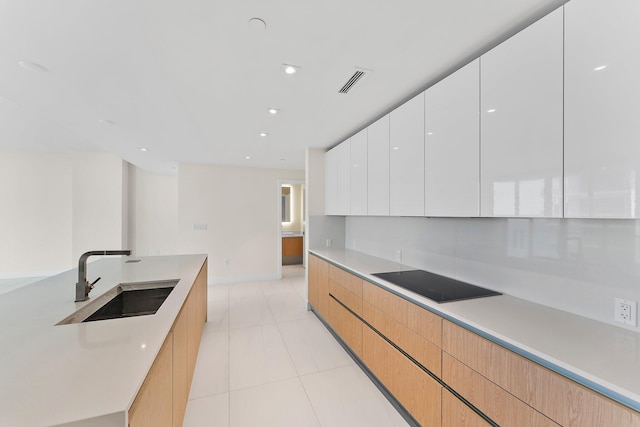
column 398, row 255
column 328, row 243
column 227, row 262
column 625, row 311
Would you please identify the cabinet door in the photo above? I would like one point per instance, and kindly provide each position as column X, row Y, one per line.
column 452, row 144
column 407, row 158
column 312, row 286
column 344, row 178
column 378, row 167
column 359, row 173
column 181, row 374
column 319, row 285
column 411, row 386
column 331, row 182
column 602, row 152
column 154, row 402
column 346, row 325
column 521, row 123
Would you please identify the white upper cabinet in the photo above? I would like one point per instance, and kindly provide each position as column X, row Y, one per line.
column 344, row 178
column 452, row 144
column 521, row 123
column 378, row 167
column 407, row 158
column 602, row 109
column 359, row 175
column 331, row 182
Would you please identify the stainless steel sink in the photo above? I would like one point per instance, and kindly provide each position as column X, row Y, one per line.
column 124, row 300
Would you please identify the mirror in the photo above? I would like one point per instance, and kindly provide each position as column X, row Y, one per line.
column 286, row 203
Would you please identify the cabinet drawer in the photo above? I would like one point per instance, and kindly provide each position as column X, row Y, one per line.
column 345, row 279
column 456, row 414
column 564, row 401
column 411, row 386
column 346, row 325
column 414, row 317
column 346, row 297
column 425, row 352
column 493, row 401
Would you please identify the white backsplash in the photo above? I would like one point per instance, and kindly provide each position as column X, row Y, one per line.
column 574, row 265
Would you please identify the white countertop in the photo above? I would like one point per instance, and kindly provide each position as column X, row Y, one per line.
column 61, row 374
column 600, row 356
column 292, row 234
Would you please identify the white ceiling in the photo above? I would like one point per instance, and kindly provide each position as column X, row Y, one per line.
column 191, row 80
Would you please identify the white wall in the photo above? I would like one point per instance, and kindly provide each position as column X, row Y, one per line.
column 98, row 211
column 35, row 213
column 56, row 206
column 239, row 207
column 319, row 227
column 574, row 265
column 153, row 213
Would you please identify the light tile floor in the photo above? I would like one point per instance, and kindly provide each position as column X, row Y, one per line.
column 266, row 361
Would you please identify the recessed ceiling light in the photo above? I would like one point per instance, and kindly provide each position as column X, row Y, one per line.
column 106, row 122
column 493, row 110
column 247, row 157
column 290, row 69
column 28, row 65
column 273, row 110
column 396, row 148
column 144, row 149
column 257, row 24
column 429, row 133
column 602, row 67
column 263, row 134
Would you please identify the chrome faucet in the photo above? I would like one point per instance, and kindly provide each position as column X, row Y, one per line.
column 83, row 287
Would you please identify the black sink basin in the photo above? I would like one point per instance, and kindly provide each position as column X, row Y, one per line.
column 131, row 303
column 124, row 300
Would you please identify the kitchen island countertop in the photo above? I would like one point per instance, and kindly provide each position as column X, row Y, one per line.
column 84, row 374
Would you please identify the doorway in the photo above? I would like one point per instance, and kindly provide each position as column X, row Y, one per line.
column 291, row 223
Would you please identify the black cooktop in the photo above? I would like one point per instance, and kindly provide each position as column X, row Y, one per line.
column 435, row 287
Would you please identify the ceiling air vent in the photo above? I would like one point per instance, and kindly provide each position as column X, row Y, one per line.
column 357, row 76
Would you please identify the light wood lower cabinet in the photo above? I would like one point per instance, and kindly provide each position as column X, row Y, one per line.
column 292, row 246
column 562, row 400
column 346, row 325
column 411, row 386
column 319, row 285
column 162, row 399
column 181, row 365
column 506, row 387
column 456, row 414
column 412, row 328
column 153, row 404
column 499, row 405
